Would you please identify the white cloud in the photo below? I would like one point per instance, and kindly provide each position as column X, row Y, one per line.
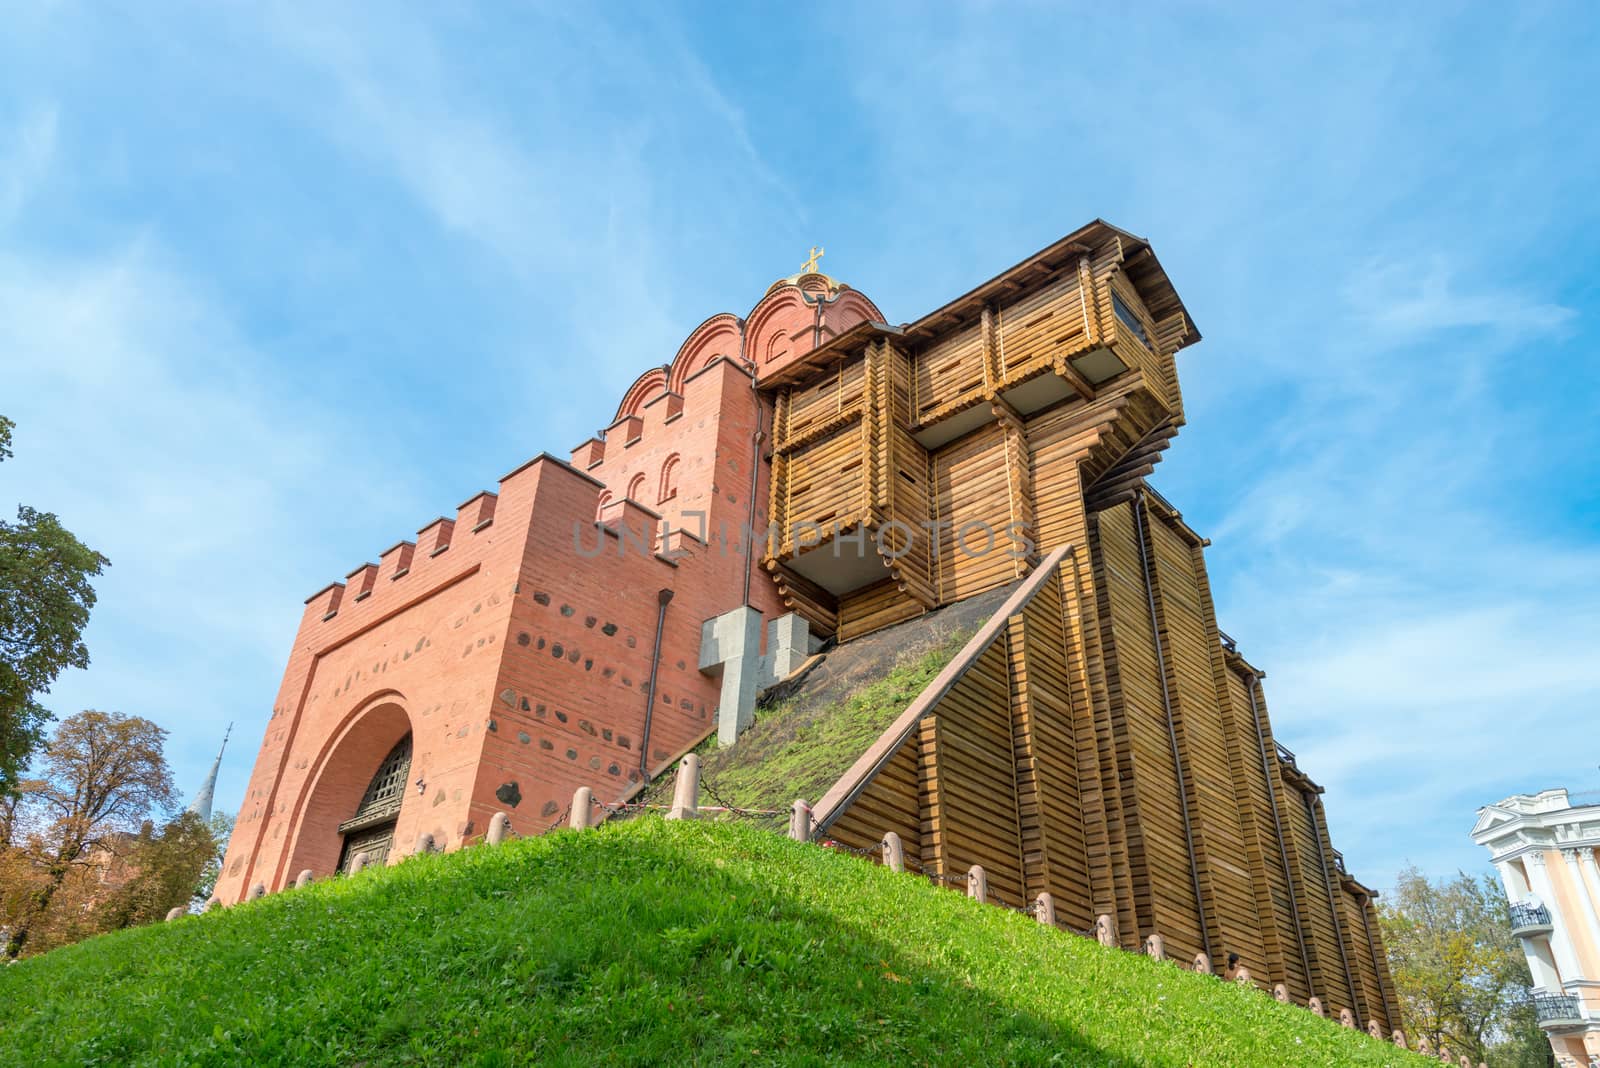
column 158, row 435
column 25, row 156
column 1406, row 298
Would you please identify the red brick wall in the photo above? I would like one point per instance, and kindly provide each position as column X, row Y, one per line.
column 518, row 658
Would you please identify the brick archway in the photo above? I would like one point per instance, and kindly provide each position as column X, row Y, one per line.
column 335, row 789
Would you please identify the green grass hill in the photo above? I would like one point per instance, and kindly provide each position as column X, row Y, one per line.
column 644, row 942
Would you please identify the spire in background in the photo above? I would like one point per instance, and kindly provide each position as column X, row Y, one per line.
column 201, row 805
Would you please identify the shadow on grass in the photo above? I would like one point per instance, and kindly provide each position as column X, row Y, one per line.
column 650, row 943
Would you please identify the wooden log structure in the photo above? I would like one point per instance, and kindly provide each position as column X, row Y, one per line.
column 1100, row 740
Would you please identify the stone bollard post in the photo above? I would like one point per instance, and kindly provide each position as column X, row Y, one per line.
column 359, row 861
column 1375, row 1030
column 174, row 912
column 1315, row 1005
column 894, row 853
column 1399, row 1037
column 582, row 801
column 1280, row 993
column 499, row 828
column 258, row 891
column 1202, row 964
column 1105, row 930
column 977, row 883
column 1044, row 909
column 303, row 880
column 213, row 904
column 686, row 790
column 1423, row 1047
column 1242, row 976
column 424, row 844
column 800, row 821
column 1465, row 1061
column 1155, row 947
column 1347, row 1019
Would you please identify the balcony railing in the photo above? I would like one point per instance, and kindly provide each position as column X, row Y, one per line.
column 1529, row 919
column 1558, row 1010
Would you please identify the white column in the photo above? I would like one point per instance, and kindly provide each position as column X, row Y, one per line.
column 1583, row 894
column 1560, row 940
column 1540, row 966
column 1516, row 887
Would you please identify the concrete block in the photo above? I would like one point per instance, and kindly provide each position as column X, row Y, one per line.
column 731, row 643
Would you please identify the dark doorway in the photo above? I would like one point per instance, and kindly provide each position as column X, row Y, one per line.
column 371, row 829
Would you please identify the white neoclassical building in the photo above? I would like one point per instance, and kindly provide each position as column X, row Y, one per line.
column 1544, row 846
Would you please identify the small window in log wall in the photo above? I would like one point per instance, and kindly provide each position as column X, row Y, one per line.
column 1126, row 317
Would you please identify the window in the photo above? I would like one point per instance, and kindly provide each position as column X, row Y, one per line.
column 636, row 487
column 1126, row 317
column 669, row 479
column 605, row 499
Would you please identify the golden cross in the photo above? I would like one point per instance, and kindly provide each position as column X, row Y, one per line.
column 810, row 266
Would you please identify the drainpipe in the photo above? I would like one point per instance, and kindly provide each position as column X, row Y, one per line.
column 1277, row 822
column 755, row 467
column 663, row 598
column 1333, row 905
column 1172, row 730
column 1372, row 948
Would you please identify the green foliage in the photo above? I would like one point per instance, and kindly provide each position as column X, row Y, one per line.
column 45, row 598
column 1462, row 978
column 168, row 866
column 103, row 775
column 639, row 943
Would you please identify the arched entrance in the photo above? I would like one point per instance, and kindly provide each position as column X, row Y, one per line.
column 358, row 788
column 370, row 829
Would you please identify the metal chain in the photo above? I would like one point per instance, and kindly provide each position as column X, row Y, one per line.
column 854, row 851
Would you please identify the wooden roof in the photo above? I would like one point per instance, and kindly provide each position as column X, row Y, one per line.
column 1139, row 261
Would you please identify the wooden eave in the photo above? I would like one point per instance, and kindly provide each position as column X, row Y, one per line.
column 1140, row 263
column 835, row 348
column 1238, row 663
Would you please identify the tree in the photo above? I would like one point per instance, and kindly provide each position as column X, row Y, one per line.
column 167, row 869
column 1462, row 979
column 45, row 598
column 104, row 775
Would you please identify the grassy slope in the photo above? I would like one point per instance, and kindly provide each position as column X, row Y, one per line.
column 643, row 942
column 797, row 749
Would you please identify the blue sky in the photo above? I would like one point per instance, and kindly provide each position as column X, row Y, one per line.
column 279, row 286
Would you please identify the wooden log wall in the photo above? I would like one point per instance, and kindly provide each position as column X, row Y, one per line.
column 1032, row 330
column 1155, row 789
column 902, row 501
column 1323, row 929
column 1264, row 816
column 996, row 771
column 1067, row 757
column 973, row 506
column 948, row 375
